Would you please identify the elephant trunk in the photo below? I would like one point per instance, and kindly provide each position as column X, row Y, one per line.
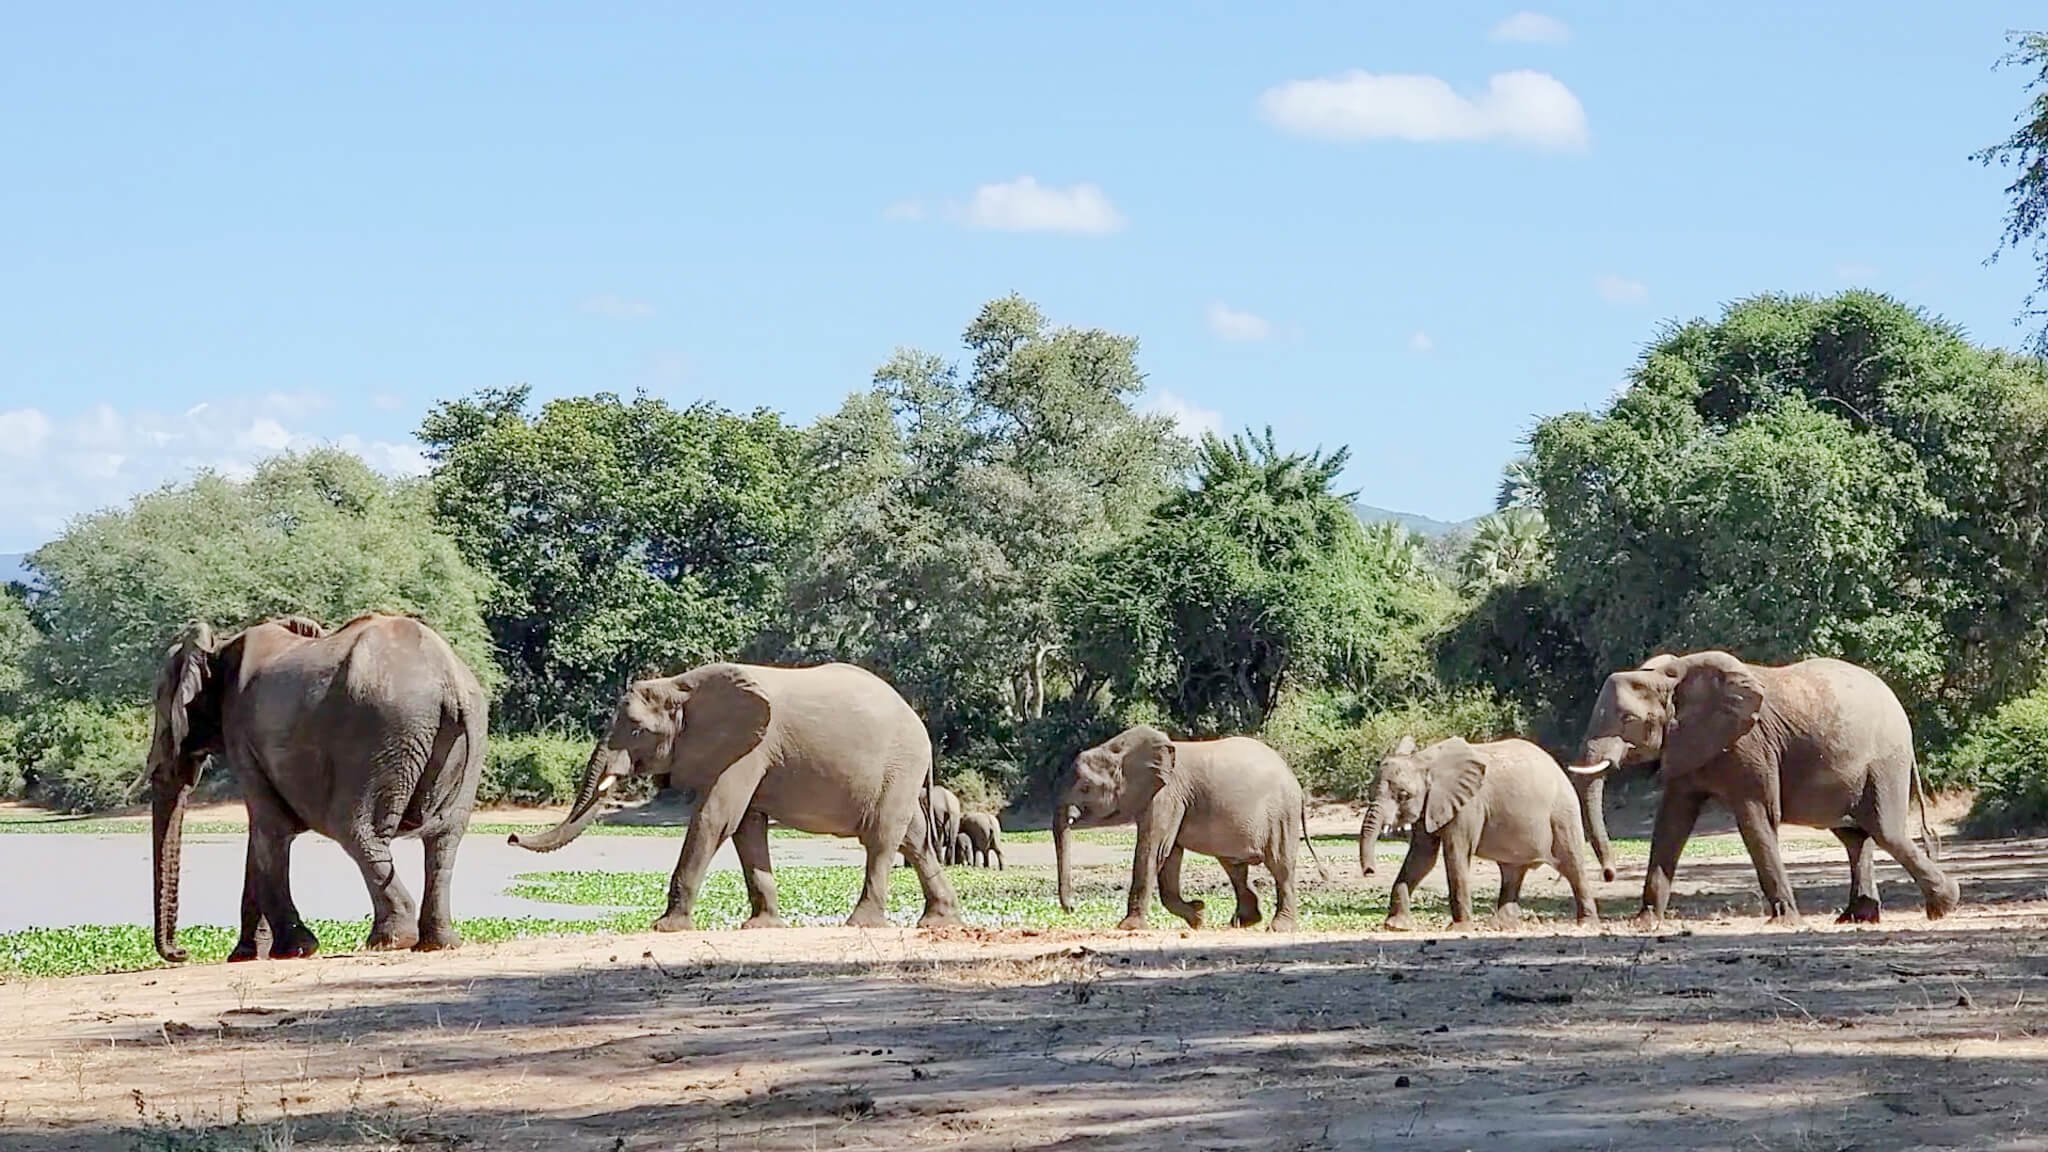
column 1369, row 834
column 1062, row 816
column 167, row 838
column 604, row 768
column 1602, row 755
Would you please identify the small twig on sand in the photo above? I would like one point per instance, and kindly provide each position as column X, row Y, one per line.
column 1794, row 1003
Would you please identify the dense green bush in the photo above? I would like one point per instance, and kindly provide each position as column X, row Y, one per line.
column 76, row 756
column 1336, row 748
column 537, row 769
column 2005, row 757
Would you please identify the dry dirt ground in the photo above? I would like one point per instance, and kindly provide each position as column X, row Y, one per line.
column 1713, row 1033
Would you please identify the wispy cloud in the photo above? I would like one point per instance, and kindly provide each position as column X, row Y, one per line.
column 1192, row 419
column 1533, row 109
column 1531, row 28
column 1025, row 205
column 618, row 307
column 1231, row 324
column 1616, row 289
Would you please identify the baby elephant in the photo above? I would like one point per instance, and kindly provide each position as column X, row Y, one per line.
column 1506, row 801
column 984, row 836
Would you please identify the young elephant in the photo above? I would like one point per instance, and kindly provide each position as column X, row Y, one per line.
column 1234, row 799
column 963, row 848
column 945, row 822
column 1506, row 801
column 981, row 835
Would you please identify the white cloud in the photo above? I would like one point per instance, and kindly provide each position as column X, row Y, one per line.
column 1523, row 107
column 904, row 210
column 1620, row 289
column 1025, row 205
column 1421, row 343
column 1192, row 419
column 1230, row 324
column 1532, row 28
column 53, row 467
column 618, row 307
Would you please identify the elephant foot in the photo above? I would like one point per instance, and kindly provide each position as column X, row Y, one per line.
column 763, row 920
column 298, row 943
column 1131, row 923
column 867, row 916
column 1648, row 920
column 1397, row 923
column 1506, row 918
column 1944, row 900
column 438, row 940
column 1283, row 922
column 939, row 918
column 1784, row 920
column 675, row 922
column 1861, row 910
column 1464, row 925
column 1190, row 912
column 245, row 951
column 390, row 939
column 1587, row 915
column 1246, row 918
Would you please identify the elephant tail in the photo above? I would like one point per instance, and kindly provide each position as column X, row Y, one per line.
column 1927, row 834
column 931, row 818
column 1322, row 873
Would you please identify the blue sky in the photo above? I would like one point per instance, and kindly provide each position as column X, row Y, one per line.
column 1413, row 231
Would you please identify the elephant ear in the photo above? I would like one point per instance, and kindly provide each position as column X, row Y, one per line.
column 1150, row 759
column 1717, row 700
column 1455, row 776
column 1671, row 666
column 1405, row 748
column 721, row 714
column 180, row 683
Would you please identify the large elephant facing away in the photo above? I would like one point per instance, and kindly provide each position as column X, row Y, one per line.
column 830, row 749
column 365, row 734
column 1820, row 743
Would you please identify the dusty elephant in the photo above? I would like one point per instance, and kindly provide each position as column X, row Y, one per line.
column 1820, row 743
column 830, row 749
column 1233, row 798
column 365, row 734
column 963, row 848
column 982, row 838
column 945, row 818
column 1506, row 801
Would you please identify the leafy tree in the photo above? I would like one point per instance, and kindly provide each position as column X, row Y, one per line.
column 1508, row 547
column 624, row 537
column 317, row 533
column 1840, row 476
column 2026, row 224
column 947, row 508
column 17, row 643
column 1255, row 578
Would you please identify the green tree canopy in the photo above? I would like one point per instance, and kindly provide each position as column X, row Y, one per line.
column 1256, row 577
column 1812, row 476
column 626, row 537
column 316, row 533
column 2026, row 152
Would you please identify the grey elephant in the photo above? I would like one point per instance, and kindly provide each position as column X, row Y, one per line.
column 945, row 819
column 368, row 733
column 829, row 749
column 963, row 848
column 982, row 838
column 1820, row 743
column 1232, row 798
column 1506, row 801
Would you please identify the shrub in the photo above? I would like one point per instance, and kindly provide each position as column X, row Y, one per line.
column 977, row 790
column 2005, row 756
column 1336, row 749
column 79, row 756
column 535, row 769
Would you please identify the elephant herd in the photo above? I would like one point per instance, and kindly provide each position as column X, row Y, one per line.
column 376, row 730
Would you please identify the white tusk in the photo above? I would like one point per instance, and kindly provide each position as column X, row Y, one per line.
column 1590, row 769
column 605, row 785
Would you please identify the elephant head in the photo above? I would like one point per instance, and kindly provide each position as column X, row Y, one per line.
column 688, row 728
column 1106, row 784
column 1428, row 787
column 1674, row 712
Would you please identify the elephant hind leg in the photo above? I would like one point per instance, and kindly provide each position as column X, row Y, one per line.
column 1247, row 914
column 1938, row 889
column 394, row 918
column 941, row 906
column 1863, row 903
column 437, row 922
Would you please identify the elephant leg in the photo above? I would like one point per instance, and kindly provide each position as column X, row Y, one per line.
column 1938, row 890
column 1677, row 812
column 1286, row 906
column 1760, row 835
column 1863, row 903
column 1422, row 850
column 267, row 874
column 717, row 817
column 941, row 905
column 1247, row 913
column 1507, row 907
column 1458, row 878
column 750, row 841
column 1158, row 831
column 1169, row 890
column 394, row 918
column 249, row 945
column 1571, row 863
column 437, row 920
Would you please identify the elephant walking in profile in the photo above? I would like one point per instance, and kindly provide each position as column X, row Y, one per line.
column 1820, row 743
column 830, row 749
column 981, row 839
column 365, row 734
column 1233, row 798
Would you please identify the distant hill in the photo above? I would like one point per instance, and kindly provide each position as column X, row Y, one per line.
column 1421, row 525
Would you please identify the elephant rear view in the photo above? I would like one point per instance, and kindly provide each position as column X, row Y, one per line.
column 1233, row 798
column 829, row 749
column 365, row 734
